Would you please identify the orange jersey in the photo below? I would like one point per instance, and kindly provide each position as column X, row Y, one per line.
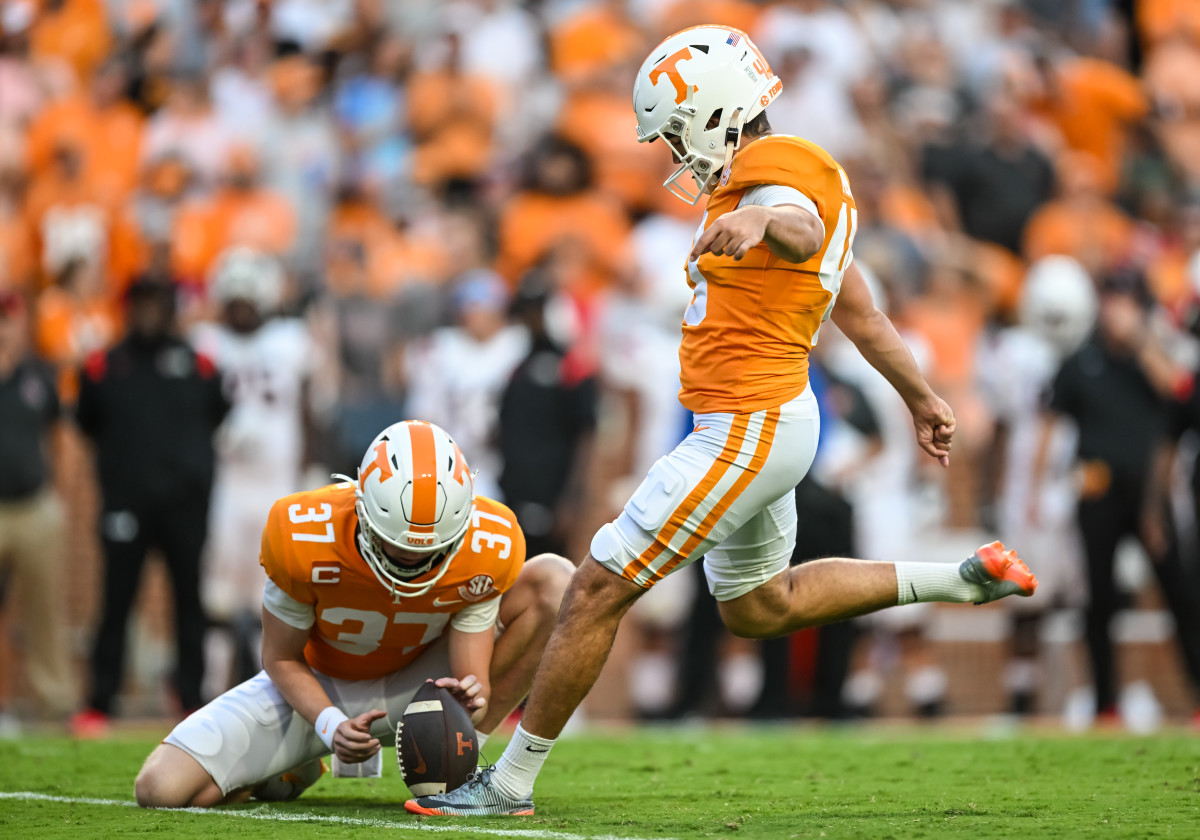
column 362, row 632
column 751, row 323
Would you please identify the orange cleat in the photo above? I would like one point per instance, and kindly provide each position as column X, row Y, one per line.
column 999, row 572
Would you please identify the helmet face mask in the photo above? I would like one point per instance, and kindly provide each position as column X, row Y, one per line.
column 372, row 544
column 701, row 167
column 695, row 91
column 415, row 493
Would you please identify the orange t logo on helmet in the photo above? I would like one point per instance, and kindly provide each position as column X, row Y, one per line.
column 668, row 66
column 460, row 465
column 380, row 463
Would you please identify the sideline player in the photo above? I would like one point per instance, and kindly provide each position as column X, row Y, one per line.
column 373, row 586
column 265, row 360
column 1057, row 313
column 772, row 255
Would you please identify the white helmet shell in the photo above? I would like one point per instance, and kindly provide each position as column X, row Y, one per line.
column 243, row 273
column 1059, row 302
column 690, row 77
column 416, row 493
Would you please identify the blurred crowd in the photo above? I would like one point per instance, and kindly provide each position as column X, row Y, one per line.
column 346, row 212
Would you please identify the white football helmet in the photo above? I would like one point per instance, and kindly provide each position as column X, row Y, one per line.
column 414, row 492
column 246, row 274
column 1059, row 302
column 690, row 77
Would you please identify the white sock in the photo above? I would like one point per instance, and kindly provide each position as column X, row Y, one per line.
column 517, row 769
column 918, row 582
column 481, row 738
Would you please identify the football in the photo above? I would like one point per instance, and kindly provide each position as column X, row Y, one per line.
column 435, row 742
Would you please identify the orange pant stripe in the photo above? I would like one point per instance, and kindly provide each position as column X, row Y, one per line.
column 760, row 457
column 733, row 443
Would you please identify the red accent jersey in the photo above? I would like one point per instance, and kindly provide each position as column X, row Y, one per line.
column 363, row 631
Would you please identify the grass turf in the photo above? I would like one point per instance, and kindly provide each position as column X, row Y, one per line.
column 735, row 783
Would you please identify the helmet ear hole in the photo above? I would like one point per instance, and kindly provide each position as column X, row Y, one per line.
column 714, row 120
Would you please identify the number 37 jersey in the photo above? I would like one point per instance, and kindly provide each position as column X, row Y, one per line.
column 362, row 630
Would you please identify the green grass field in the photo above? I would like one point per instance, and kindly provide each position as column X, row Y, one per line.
column 688, row 783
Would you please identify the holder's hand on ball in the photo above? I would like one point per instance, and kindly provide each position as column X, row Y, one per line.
column 468, row 692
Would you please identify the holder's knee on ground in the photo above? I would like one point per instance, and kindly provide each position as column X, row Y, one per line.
column 171, row 778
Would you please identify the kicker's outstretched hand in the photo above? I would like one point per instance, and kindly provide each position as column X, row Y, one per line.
column 732, row 234
column 934, row 424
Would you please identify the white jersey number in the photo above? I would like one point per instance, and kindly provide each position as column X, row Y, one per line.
column 371, row 627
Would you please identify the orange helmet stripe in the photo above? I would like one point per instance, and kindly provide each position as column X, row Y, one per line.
column 424, row 461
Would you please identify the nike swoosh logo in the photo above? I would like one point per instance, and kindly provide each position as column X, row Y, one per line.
column 700, row 429
column 420, row 768
column 914, row 591
column 438, row 602
column 532, row 750
column 325, row 728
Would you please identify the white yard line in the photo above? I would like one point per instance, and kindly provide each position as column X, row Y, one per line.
column 265, row 813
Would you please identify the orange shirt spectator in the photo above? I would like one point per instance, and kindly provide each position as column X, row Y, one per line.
column 405, row 257
column 1172, row 73
column 106, row 128
column 560, row 210
column 1157, row 20
column 1097, row 234
column 18, row 256
column 451, row 115
column 367, row 254
column 241, row 212
column 1091, row 102
column 1167, row 277
column 904, row 206
column 597, row 118
column 1168, row 271
column 1082, row 223
column 356, row 229
column 950, row 316
column 204, row 229
column 594, row 40
column 74, row 217
column 75, row 31
column 73, row 319
column 682, row 14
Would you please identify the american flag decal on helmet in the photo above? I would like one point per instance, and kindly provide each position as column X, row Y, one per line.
column 733, row 39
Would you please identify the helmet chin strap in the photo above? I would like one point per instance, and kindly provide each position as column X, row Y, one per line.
column 733, row 138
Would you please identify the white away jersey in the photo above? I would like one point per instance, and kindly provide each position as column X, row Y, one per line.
column 263, row 375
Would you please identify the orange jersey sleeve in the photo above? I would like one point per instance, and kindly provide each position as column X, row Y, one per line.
column 364, row 630
column 751, row 323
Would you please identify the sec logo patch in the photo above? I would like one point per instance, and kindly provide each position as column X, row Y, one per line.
column 477, row 588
